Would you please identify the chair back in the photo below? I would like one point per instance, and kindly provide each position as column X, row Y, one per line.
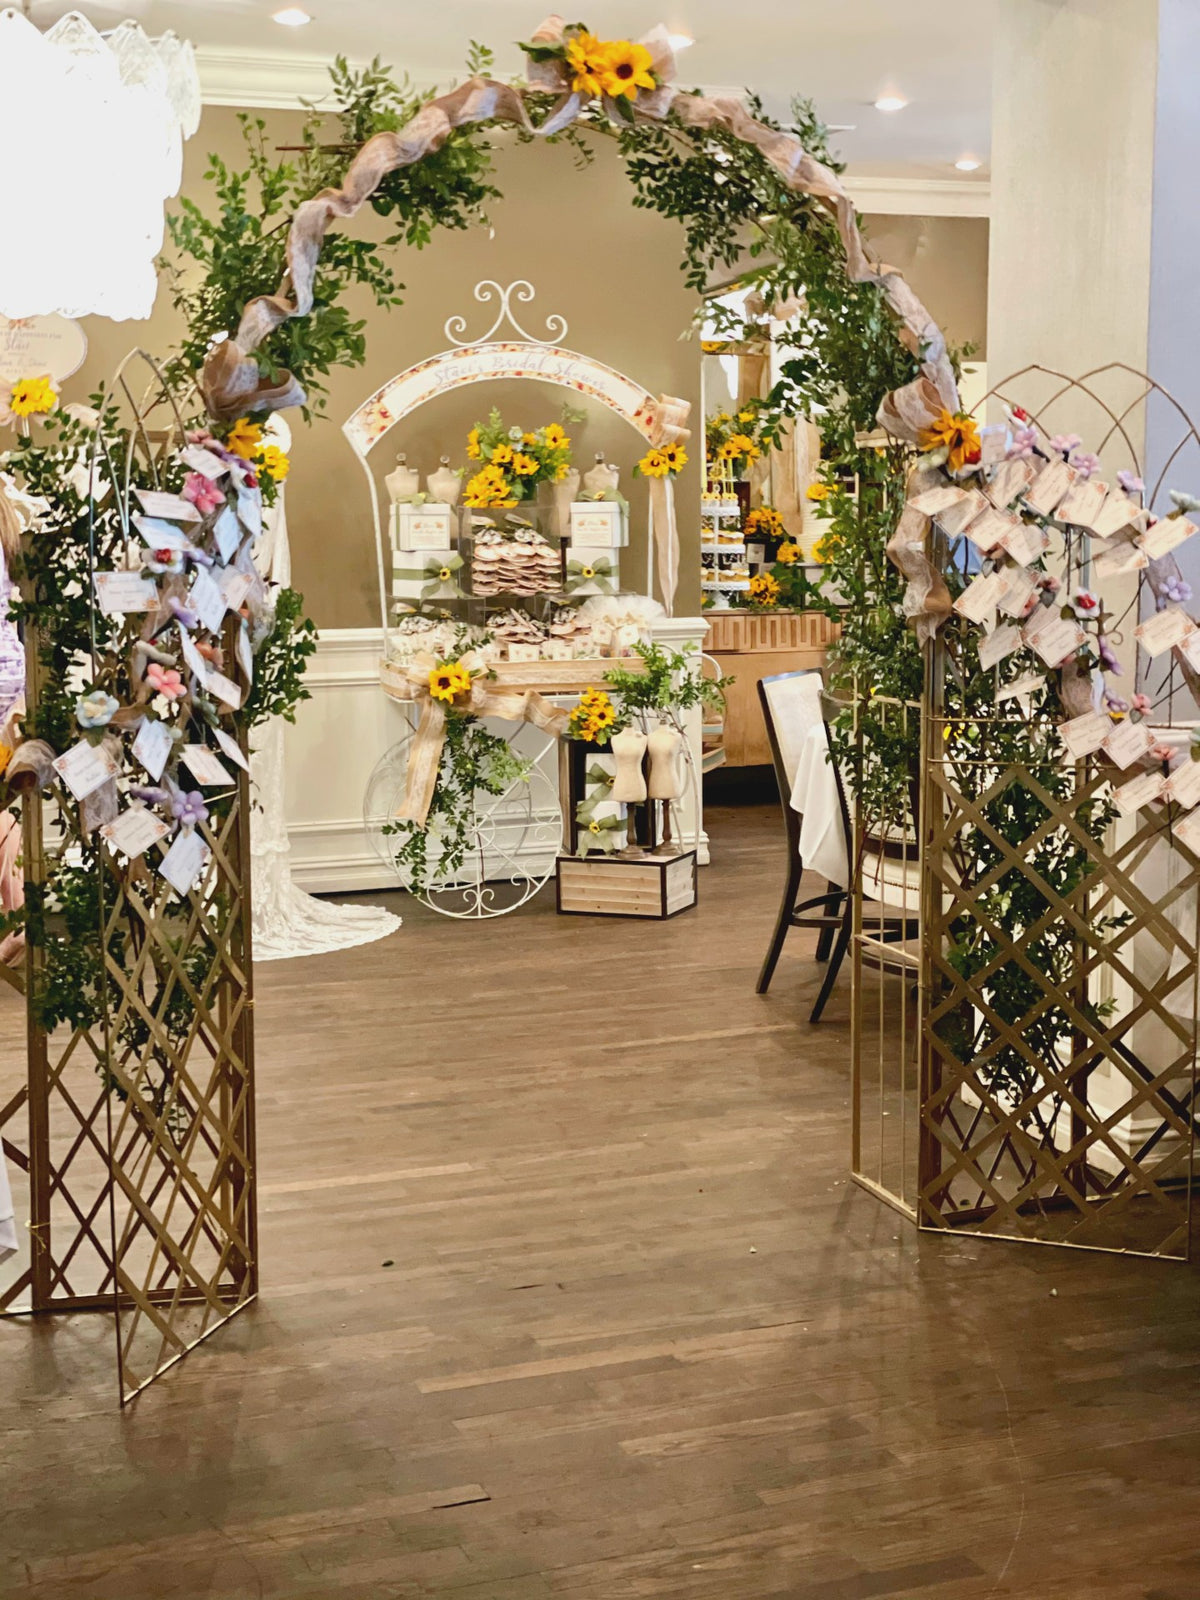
column 791, row 705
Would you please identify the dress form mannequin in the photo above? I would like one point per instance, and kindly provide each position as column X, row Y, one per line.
column 561, row 495
column 663, row 748
column 602, row 476
column 629, row 784
column 443, row 485
column 403, row 481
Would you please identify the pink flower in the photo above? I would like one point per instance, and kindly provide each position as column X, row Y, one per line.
column 1064, row 443
column 203, row 493
column 1141, row 703
column 1161, row 752
column 1049, row 583
column 1130, row 482
column 165, row 681
column 1086, row 464
column 1024, row 443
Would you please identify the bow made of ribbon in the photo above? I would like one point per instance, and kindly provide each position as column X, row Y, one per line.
column 409, row 682
column 436, row 574
column 232, row 382
column 582, row 574
column 606, row 834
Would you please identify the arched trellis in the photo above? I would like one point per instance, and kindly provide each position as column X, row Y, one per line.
column 498, row 360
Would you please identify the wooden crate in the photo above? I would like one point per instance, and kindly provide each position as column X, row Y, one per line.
column 611, row 886
column 742, row 632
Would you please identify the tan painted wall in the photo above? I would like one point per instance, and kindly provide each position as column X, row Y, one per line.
column 611, row 270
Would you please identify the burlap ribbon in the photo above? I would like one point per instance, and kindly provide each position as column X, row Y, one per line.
column 411, row 683
column 668, row 425
column 926, row 601
column 232, row 382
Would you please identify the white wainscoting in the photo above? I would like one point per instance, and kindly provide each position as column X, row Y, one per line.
column 340, row 735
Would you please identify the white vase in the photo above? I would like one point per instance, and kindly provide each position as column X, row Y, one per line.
column 663, row 747
column 403, row 481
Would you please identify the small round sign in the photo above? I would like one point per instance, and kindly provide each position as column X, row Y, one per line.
column 34, row 347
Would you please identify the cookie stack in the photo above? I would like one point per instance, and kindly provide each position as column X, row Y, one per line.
column 516, row 627
column 514, row 563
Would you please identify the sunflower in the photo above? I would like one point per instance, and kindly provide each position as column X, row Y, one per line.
column 528, row 439
column 818, row 491
column 764, row 589
column 524, row 466
column 587, row 59
column 553, row 437
column 825, row 549
column 273, row 461
column 6, row 756
column 604, row 716
column 31, row 397
column 627, row 67
column 956, row 433
column 676, row 457
column 444, row 574
column 474, row 449
column 488, row 488
column 764, row 522
column 244, row 438
column 788, row 553
column 448, row 681
column 587, row 572
column 561, row 471
column 502, row 455
column 654, row 464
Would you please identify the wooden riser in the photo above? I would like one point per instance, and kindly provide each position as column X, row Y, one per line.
column 607, row 886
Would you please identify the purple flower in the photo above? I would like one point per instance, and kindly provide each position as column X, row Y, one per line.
column 1023, row 445
column 1115, row 703
column 1130, row 482
column 189, row 808
column 1086, row 464
column 150, row 795
column 183, row 614
column 1064, row 443
column 1178, row 590
column 1107, row 659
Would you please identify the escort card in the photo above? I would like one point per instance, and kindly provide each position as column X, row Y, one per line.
column 244, row 654
column 232, row 749
column 993, row 441
column 227, row 531
column 1084, row 735
column 953, row 520
column 204, row 462
column 1019, row 589
column 207, row 601
column 185, row 860
column 1028, row 683
column 1183, row 785
column 1082, row 503
column 152, row 746
column 1167, row 535
column 1127, row 743
column 1163, row 630
column 1190, row 649
column 978, row 600
column 1054, row 638
column 1023, row 541
column 134, row 831
column 1118, row 512
column 207, row 769
column 1187, row 831
column 159, row 535
column 1048, row 488
column 224, row 689
column 173, row 506
column 249, row 510
column 84, row 767
column 119, row 593
column 1008, row 481
column 1001, row 643
column 1122, row 558
column 196, row 663
column 1142, row 791
column 524, row 652
column 234, row 586
column 942, row 497
column 990, row 528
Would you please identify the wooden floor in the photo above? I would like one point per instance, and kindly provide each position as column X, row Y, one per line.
column 566, row 1294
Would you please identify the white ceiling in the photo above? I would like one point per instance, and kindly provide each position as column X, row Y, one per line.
column 842, row 53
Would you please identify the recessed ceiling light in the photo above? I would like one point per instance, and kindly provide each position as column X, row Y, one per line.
column 680, row 41
column 890, row 102
column 291, row 17
column 968, row 164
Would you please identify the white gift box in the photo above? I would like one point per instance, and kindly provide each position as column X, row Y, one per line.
column 413, row 569
column 598, row 522
column 425, row 527
column 588, row 556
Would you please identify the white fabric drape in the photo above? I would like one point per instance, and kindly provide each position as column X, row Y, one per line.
column 287, row 921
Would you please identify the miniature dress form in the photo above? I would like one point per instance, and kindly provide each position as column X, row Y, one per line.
column 403, row 481
column 602, row 478
column 443, row 485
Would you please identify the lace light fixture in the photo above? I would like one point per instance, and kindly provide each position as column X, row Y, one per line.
column 95, row 149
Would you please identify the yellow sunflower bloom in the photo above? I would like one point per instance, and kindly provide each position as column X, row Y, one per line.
column 529, row 438
column 474, row 449
column 274, row 462
column 244, row 438
column 502, row 455
column 553, row 437
column 745, row 416
column 524, row 466
column 447, row 682
column 818, row 491
column 587, row 59
column 956, row 433
column 764, row 589
column 676, row 457
column 788, row 553
column 627, row 68
column 32, row 397
column 587, row 572
column 654, row 464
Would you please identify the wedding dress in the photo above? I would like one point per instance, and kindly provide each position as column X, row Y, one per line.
column 287, row 921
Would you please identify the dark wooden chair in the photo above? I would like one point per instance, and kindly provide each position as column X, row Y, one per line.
column 792, row 706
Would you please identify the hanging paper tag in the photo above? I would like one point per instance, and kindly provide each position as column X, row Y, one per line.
column 1019, row 590
column 955, row 518
column 1120, row 559
column 119, row 593
column 1048, row 488
column 1189, row 648
column 990, row 528
column 977, row 601
column 1010, row 478
column 1183, row 785
column 1082, row 503
column 942, row 497
column 244, row 653
column 196, row 663
column 1187, row 831
column 1023, row 541
column 1116, row 514
column 1163, row 630
column 204, row 462
column 134, row 831
column 1141, row 791
column 232, row 749
column 249, row 510
column 152, row 746
column 1167, row 535
column 1127, row 743
column 185, row 860
column 1054, row 639
column 1084, row 735
column 207, row 601
column 234, row 586
column 1028, row 684
column 207, row 768
column 227, row 531
column 1001, row 643
column 224, row 689
column 172, row 506
column 84, row 767
column 160, row 535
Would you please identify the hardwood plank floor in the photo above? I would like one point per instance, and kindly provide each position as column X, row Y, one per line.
column 566, row 1294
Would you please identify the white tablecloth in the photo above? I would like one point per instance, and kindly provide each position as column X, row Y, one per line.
column 815, row 796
